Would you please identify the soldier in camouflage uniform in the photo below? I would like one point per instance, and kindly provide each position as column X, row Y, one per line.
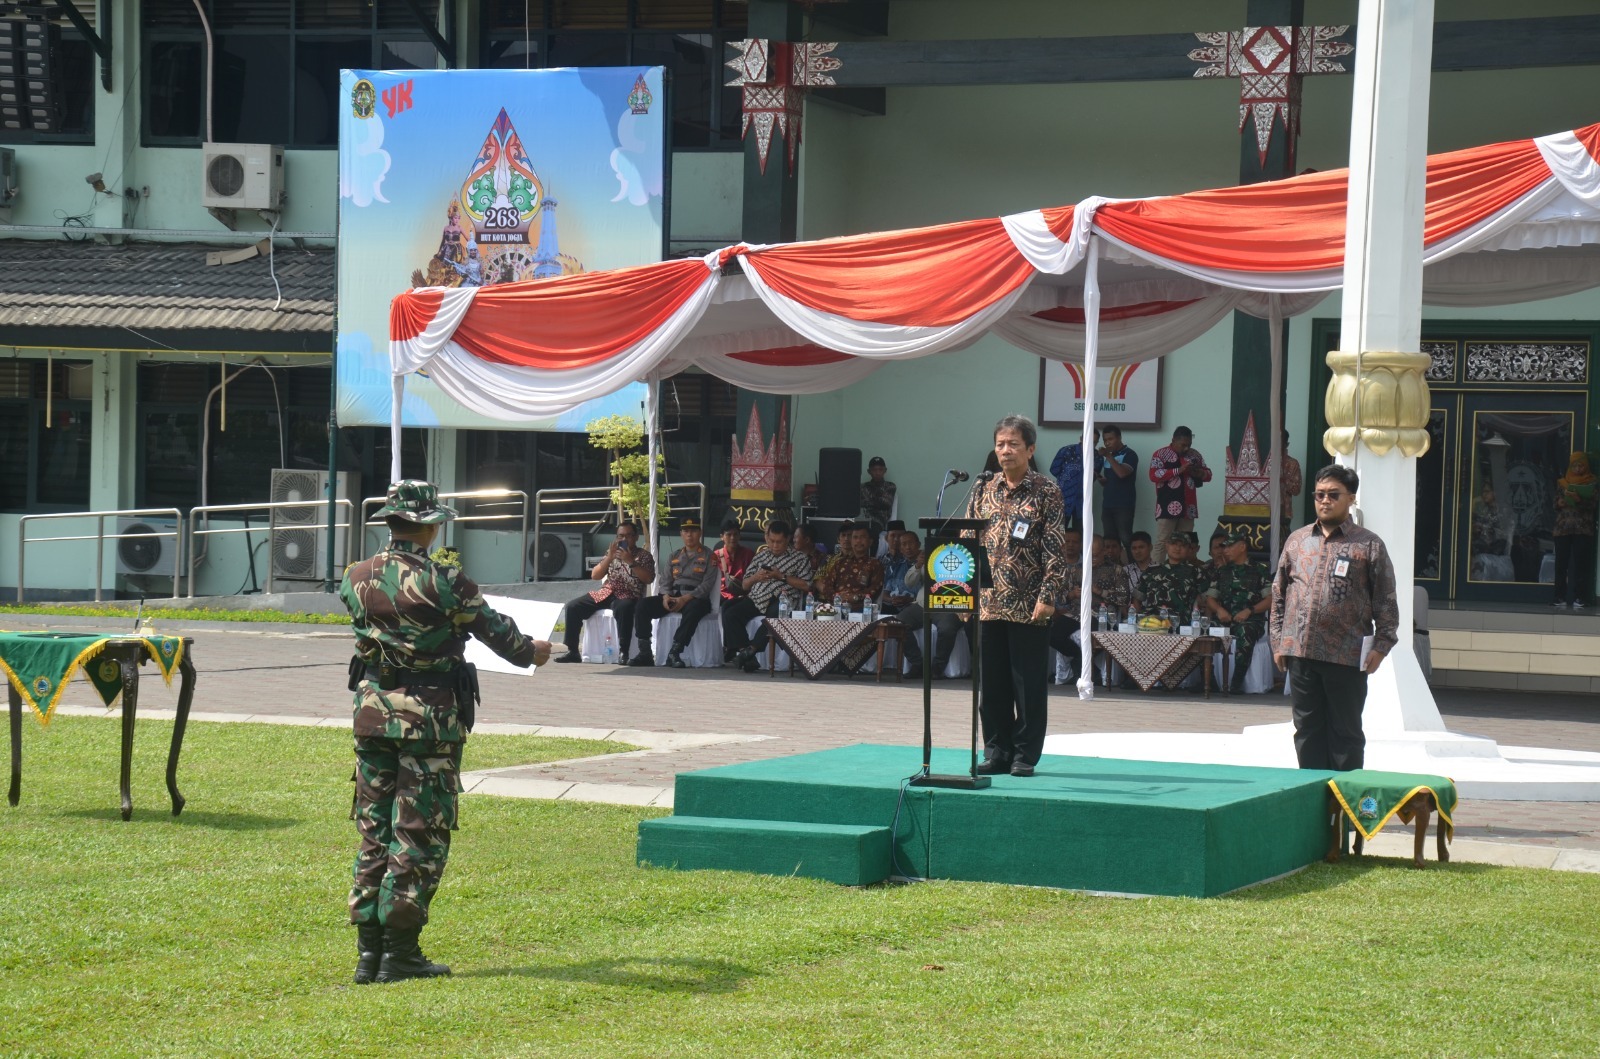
column 1174, row 585
column 1241, row 598
column 411, row 618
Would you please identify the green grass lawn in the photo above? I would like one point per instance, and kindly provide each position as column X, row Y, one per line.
column 222, row 932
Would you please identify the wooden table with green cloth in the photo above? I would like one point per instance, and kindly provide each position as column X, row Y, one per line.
column 39, row 665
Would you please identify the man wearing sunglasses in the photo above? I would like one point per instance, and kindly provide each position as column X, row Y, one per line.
column 1334, row 586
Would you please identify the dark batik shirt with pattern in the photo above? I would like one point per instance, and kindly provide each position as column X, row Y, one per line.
column 414, row 613
column 1111, row 587
column 1024, row 571
column 1172, row 586
column 1318, row 615
column 688, row 573
column 1071, row 590
column 853, row 578
column 1575, row 519
column 877, row 501
column 792, row 563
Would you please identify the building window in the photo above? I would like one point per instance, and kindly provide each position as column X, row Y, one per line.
column 275, row 417
column 46, row 428
column 275, row 75
column 687, row 37
column 48, row 76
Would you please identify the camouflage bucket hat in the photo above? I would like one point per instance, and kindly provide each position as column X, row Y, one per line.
column 415, row 501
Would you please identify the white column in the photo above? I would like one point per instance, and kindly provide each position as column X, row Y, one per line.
column 1383, row 309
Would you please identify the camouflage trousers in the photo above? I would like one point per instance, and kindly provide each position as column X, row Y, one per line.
column 404, row 809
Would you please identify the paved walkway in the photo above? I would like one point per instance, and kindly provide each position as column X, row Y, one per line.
column 689, row 719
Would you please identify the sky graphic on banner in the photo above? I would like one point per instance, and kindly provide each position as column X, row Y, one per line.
column 479, row 177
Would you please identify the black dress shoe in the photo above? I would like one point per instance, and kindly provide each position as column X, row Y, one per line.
column 1021, row 768
column 994, row 766
column 639, row 661
column 570, row 656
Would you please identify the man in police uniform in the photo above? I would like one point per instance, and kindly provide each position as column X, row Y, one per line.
column 411, row 618
column 686, row 582
column 1240, row 599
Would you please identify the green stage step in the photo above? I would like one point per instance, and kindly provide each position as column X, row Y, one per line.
column 1097, row 824
column 850, row 854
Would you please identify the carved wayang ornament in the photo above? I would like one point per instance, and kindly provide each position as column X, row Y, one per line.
column 1268, row 61
column 774, row 76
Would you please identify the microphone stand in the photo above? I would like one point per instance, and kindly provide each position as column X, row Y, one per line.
column 938, row 501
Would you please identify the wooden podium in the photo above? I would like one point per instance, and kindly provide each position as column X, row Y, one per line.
column 956, row 570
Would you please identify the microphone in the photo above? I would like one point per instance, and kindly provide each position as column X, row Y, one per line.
column 957, row 476
column 985, row 476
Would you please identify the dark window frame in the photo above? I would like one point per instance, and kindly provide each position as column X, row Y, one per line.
column 32, row 410
column 90, row 86
column 721, row 124
column 376, row 33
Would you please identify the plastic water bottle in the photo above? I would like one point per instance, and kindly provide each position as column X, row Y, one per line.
column 810, row 614
column 610, row 653
column 838, row 605
column 1197, row 620
column 869, row 610
column 783, row 606
column 1103, row 619
column 1166, row 616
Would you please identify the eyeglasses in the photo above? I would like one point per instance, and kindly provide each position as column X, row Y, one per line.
column 1321, row 494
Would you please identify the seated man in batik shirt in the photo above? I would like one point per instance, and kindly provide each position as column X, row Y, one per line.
column 857, row 575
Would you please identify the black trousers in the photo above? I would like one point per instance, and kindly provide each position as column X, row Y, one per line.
column 946, row 627
column 1061, row 630
column 1118, row 522
column 653, row 607
column 1013, row 696
column 583, row 608
column 1327, row 699
column 1574, row 568
column 736, row 616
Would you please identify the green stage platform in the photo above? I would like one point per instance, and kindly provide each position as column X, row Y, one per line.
column 1098, row 824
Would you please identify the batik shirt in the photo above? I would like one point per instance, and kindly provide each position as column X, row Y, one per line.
column 1028, row 569
column 1575, row 520
column 792, row 563
column 1330, row 591
column 688, row 573
column 1111, row 587
column 1173, row 587
column 413, row 613
column 895, row 568
column 854, row 578
column 1177, row 477
column 1240, row 587
column 877, row 501
column 620, row 582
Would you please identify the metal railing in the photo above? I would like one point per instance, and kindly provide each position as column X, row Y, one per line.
column 320, row 506
column 481, row 499
column 589, row 507
column 100, row 536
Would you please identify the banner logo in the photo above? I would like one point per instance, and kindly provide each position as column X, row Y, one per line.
column 363, row 99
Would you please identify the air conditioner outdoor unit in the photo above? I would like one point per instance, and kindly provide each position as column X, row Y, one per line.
column 557, row 555
column 142, row 551
column 299, row 543
column 241, row 176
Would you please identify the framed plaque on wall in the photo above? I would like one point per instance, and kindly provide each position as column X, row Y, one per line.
column 1129, row 394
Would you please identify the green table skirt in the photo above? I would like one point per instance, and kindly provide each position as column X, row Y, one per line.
column 40, row 664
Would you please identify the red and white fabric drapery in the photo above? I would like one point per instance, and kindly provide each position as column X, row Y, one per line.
column 1503, row 223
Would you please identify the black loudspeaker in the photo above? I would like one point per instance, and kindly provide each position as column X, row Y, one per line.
column 838, row 483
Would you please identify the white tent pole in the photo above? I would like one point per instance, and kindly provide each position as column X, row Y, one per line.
column 397, row 400
column 1275, row 403
column 651, row 412
column 1091, row 351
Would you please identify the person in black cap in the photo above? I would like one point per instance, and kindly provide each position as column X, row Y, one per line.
column 1177, row 471
column 685, row 582
column 877, row 495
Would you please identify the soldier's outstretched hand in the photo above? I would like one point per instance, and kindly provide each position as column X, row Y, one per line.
column 541, row 652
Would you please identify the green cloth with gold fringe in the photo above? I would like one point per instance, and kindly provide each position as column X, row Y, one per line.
column 40, row 664
column 1369, row 798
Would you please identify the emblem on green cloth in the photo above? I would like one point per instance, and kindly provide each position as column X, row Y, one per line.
column 41, row 687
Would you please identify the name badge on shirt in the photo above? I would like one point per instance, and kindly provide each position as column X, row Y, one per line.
column 1341, row 568
column 1020, row 528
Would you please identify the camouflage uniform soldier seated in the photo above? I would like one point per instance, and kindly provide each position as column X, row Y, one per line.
column 1175, row 584
column 414, row 700
column 1241, row 598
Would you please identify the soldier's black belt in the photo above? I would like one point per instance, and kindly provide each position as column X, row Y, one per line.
column 388, row 678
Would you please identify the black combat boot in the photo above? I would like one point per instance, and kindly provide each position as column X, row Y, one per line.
column 675, row 658
column 403, row 959
column 369, row 952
